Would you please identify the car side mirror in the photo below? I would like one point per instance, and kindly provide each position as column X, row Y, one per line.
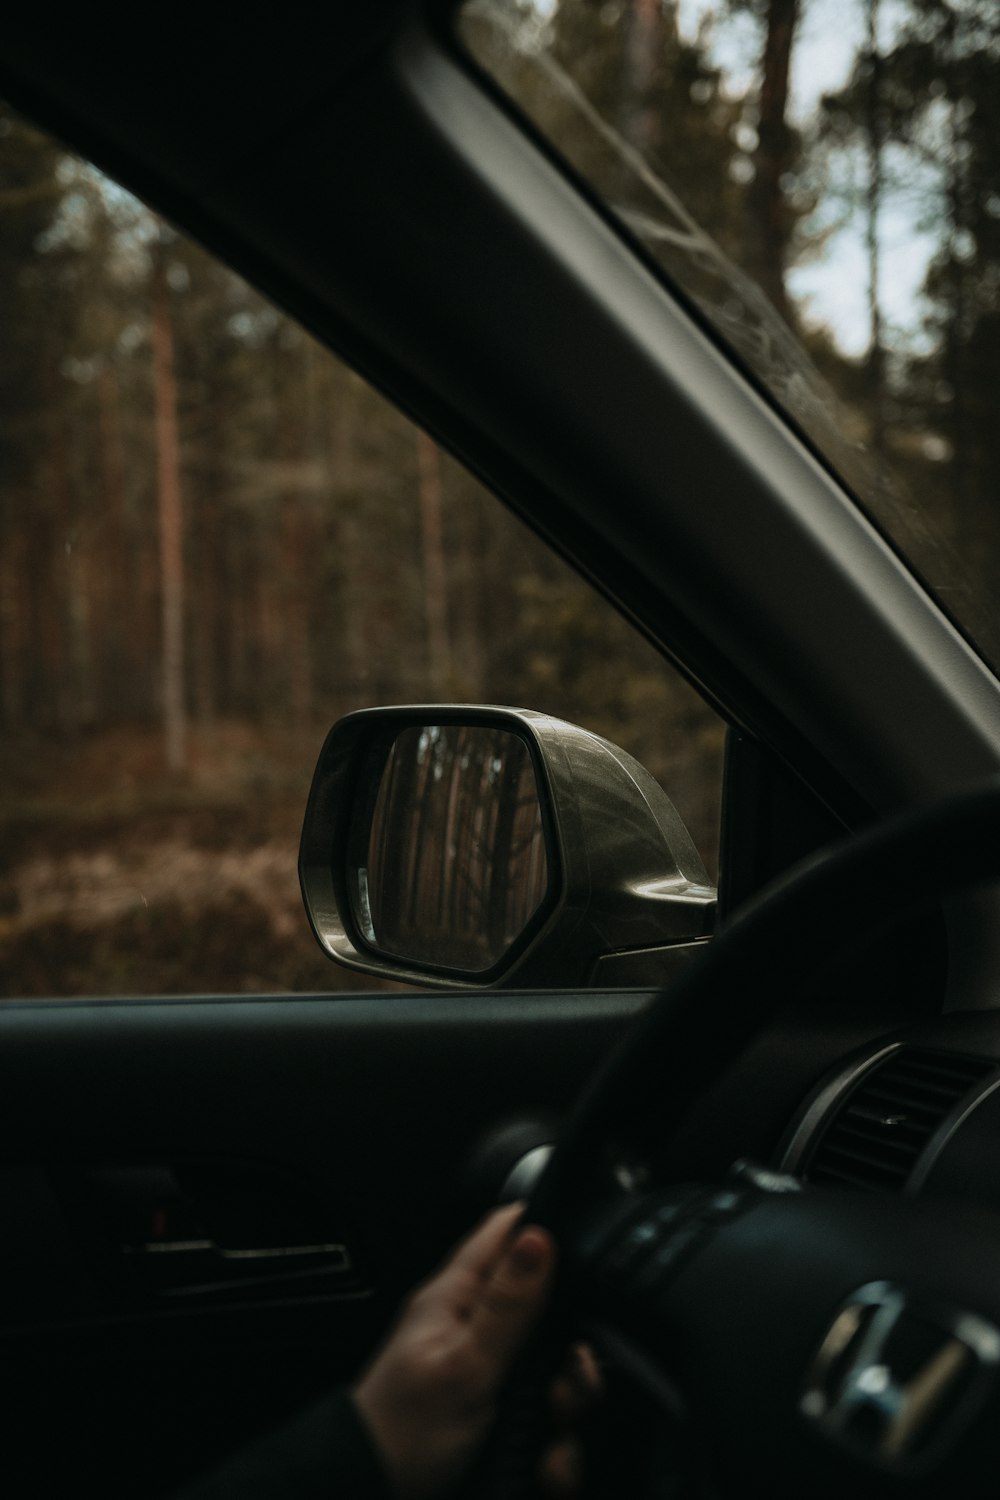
column 469, row 847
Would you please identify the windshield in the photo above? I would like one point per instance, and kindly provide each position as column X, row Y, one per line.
column 820, row 179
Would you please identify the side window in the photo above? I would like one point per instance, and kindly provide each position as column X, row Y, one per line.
column 214, row 541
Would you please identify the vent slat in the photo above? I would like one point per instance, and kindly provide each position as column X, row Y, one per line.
column 843, row 1151
column 878, row 1133
column 832, row 1177
column 926, row 1091
column 900, row 1099
column 881, row 1140
column 959, row 1070
column 860, row 1117
column 854, row 1174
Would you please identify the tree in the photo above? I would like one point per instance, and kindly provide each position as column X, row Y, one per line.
column 774, row 157
column 171, row 519
column 30, row 193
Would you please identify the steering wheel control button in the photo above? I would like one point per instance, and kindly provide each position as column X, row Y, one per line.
column 632, row 1246
column 897, row 1379
column 725, row 1204
column 669, row 1255
column 658, row 1236
column 764, row 1179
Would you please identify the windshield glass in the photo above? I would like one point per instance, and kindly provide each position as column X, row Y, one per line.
column 820, row 179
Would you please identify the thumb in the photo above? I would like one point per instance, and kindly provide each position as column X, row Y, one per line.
column 515, row 1293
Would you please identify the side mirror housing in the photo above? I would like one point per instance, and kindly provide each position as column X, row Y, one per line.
column 475, row 846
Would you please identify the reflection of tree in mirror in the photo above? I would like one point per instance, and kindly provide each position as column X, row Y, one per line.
column 457, row 863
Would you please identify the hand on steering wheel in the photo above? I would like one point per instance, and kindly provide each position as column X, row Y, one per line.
column 429, row 1397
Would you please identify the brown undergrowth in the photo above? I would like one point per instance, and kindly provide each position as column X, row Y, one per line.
column 117, row 879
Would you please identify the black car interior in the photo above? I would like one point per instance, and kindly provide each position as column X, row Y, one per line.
column 211, row 1206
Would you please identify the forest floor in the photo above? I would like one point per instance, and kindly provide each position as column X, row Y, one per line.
column 119, row 879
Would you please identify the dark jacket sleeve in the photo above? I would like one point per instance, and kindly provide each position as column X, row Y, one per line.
column 324, row 1451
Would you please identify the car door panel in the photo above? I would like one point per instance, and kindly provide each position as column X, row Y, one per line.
column 211, row 1206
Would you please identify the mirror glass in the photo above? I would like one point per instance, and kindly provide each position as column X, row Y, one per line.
column 456, row 855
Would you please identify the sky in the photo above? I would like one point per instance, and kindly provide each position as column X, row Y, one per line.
column 833, row 287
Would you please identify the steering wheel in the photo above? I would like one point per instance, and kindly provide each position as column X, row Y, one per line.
column 810, row 1340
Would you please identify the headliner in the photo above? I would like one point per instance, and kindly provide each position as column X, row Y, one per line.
column 179, row 105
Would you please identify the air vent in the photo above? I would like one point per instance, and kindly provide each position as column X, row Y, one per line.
column 877, row 1132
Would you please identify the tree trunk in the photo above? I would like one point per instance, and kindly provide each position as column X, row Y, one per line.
column 205, row 622
column 641, row 58
column 296, row 547
column 56, row 638
column 353, row 678
column 435, row 572
column 115, row 588
column 772, row 158
column 171, row 522
column 12, row 625
column 874, row 140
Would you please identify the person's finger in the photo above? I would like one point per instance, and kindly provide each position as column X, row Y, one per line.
column 478, row 1255
column 513, row 1293
column 577, row 1386
column 560, row 1470
column 430, row 1393
column 586, row 1371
